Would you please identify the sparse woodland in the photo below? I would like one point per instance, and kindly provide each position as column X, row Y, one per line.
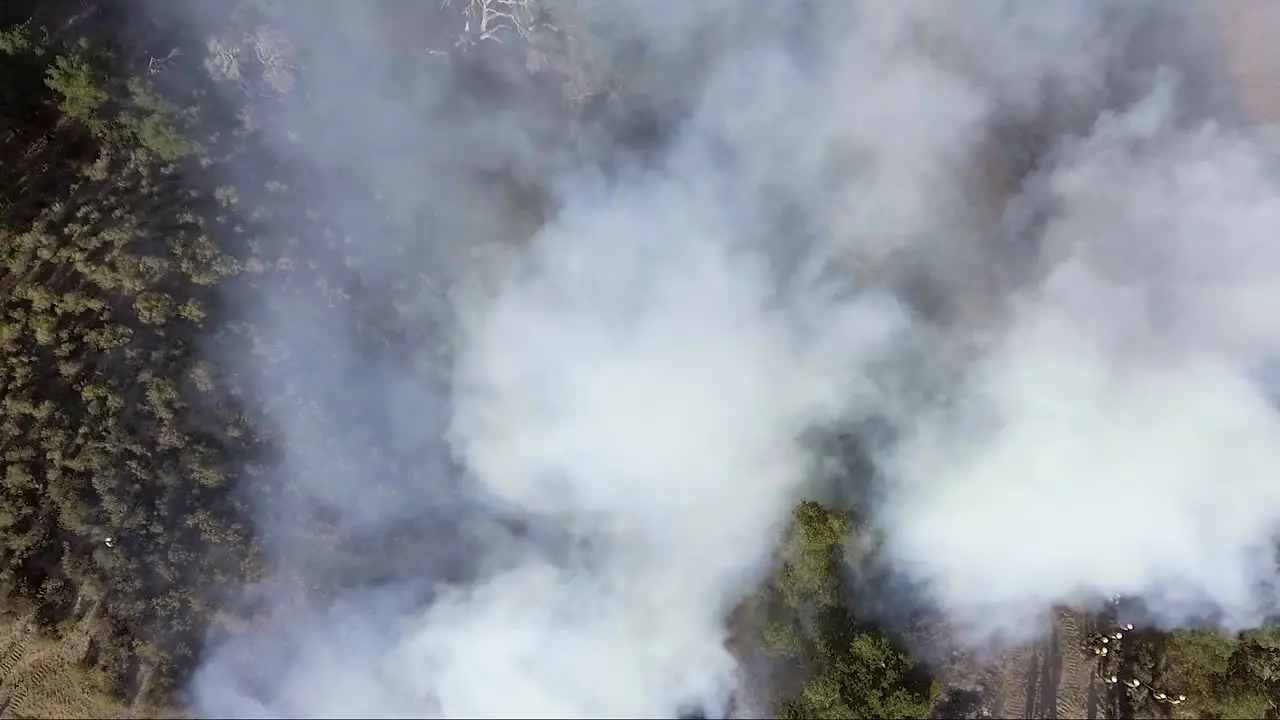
column 127, row 451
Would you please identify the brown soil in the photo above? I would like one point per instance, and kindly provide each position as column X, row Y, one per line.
column 43, row 678
column 1053, row 678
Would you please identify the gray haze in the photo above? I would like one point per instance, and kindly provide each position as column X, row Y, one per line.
column 594, row 428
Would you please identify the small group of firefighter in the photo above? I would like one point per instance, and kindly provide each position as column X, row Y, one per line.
column 1133, row 685
column 1104, row 646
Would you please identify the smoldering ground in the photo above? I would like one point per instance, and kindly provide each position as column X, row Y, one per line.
column 557, row 487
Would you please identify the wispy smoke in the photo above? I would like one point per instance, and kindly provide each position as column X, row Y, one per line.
column 1034, row 192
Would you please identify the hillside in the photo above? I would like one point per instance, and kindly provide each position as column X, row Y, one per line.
column 142, row 201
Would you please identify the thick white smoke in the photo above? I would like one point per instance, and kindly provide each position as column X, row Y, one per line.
column 1117, row 437
column 644, row 385
column 639, row 375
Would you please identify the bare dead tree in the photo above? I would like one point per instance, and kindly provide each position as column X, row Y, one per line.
column 157, row 65
column 268, row 47
column 274, row 53
column 486, row 19
column 223, row 61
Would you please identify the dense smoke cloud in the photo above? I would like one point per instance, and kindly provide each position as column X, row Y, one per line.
column 1116, row 437
column 1035, row 194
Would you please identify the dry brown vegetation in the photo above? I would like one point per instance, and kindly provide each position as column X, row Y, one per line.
column 47, row 677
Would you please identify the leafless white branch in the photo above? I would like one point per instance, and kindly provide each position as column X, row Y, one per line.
column 158, row 65
column 487, row 19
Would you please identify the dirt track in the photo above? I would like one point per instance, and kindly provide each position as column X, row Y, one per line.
column 1053, row 678
column 44, row 678
column 37, row 677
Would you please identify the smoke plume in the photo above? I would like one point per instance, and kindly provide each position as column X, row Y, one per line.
column 1047, row 211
